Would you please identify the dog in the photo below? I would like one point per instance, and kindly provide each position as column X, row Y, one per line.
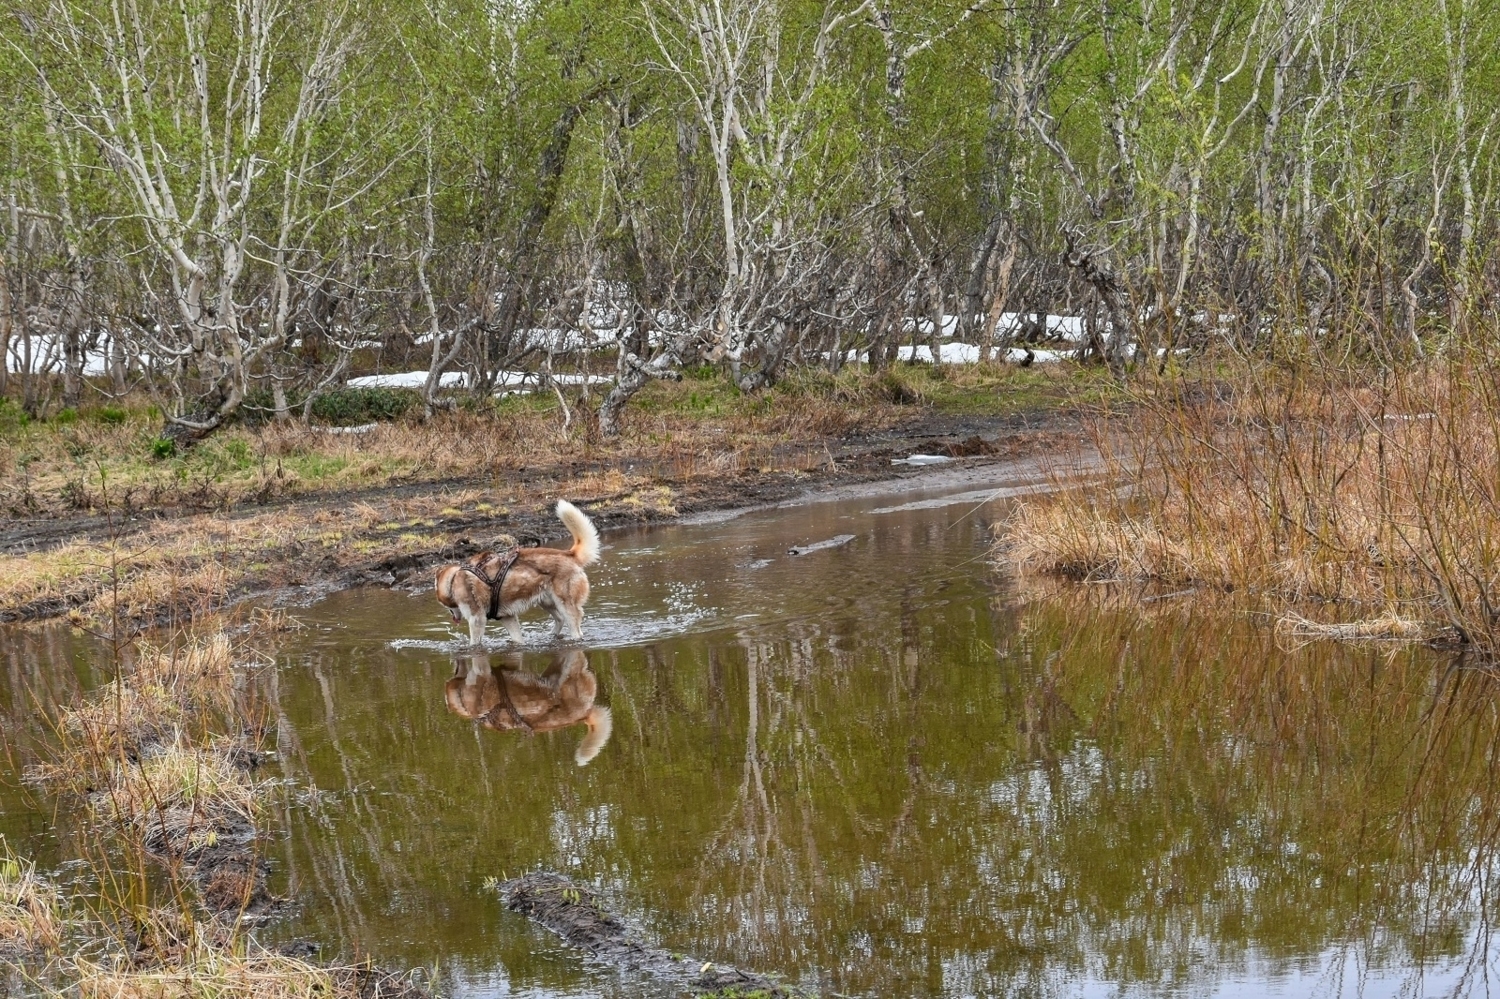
column 504, row 585
column 514, row 700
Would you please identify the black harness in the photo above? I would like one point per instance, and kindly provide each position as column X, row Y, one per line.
column 505, row 560
column 509, row 708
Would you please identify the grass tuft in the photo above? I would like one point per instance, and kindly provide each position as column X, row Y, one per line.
column 1321, row 485
column 31, row 910
column 142, row 751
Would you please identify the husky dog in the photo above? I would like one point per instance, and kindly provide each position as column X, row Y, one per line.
column 503, row 585
column 510, row 700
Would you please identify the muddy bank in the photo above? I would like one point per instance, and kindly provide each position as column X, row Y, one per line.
column 573, row 912
column 168, row 570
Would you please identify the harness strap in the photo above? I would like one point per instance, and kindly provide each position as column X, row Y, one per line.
column 496, row 582
column 509, row 706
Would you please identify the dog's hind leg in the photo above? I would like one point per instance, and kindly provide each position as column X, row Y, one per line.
column 572, row 618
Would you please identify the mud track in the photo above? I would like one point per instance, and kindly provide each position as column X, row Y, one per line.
column 389, row 554
column 572, row 911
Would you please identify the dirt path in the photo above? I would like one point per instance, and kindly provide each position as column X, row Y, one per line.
column 176, row 567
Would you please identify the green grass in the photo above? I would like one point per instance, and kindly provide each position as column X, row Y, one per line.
column 317, row 466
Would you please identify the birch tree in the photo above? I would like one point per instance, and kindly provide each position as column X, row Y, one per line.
column 189, row 103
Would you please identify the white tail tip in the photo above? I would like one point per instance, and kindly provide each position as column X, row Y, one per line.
column 585, row 536
column 600, row 726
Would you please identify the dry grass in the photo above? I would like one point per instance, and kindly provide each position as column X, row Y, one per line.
column 160, row 953
column 87, row 466
column 165, row 955
column 1376, row 493
column 171, row 688
column 187, row 566
column 1386, row 628
column 512, row 461
column 149, row 754
column 178, row 799
column 31, row 910
column 90, row 465
column 247, row 973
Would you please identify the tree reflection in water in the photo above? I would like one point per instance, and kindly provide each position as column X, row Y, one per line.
column 936, row 794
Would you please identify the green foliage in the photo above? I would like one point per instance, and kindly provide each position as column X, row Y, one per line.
column 236, row 452
column 12, row 417
column 349, row 406
column 522, row 152
column 163, row 448
column 111, row 415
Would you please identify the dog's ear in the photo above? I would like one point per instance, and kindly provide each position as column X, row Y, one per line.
column 600, row 726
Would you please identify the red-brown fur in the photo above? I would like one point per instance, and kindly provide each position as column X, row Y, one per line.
column 508, row 700
column 547, row 577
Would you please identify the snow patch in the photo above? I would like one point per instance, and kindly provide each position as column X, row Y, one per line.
column 408, row 380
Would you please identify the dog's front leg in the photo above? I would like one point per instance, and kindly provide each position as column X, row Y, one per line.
column 476, row 630
column 513, row 625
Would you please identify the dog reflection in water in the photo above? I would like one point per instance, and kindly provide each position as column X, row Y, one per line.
column 509, row 700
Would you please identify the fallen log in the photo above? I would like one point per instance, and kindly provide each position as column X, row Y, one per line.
column 842, row 539
column 571, row 910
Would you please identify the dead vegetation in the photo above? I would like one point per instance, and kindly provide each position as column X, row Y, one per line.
column 164, row 756
column 1371, row 494
column 180, row 568
column 160, row 954
column 90, row 464
column 161, row 763
column 32, row 918
column 249, row 971
column 697, row 442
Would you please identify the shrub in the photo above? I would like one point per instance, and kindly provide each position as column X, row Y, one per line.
column 340, row 407
column 12, row 416
column 347, row 406
column 258, row 408
column 110, row 415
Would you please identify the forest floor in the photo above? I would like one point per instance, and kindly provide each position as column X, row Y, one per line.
column 110, row 536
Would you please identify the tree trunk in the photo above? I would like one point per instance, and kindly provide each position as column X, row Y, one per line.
column 974, row 290
column 549, row 173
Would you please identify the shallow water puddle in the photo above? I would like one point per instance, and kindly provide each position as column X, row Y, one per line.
column 875, row 769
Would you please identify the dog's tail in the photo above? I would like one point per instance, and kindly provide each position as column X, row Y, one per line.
column 600, row 726
column 585, row 550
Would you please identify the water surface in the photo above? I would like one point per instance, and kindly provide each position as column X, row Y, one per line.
column 877, row 769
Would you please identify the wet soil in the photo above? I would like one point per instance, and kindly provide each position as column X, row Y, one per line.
column 573, row 911
column 386, row 555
